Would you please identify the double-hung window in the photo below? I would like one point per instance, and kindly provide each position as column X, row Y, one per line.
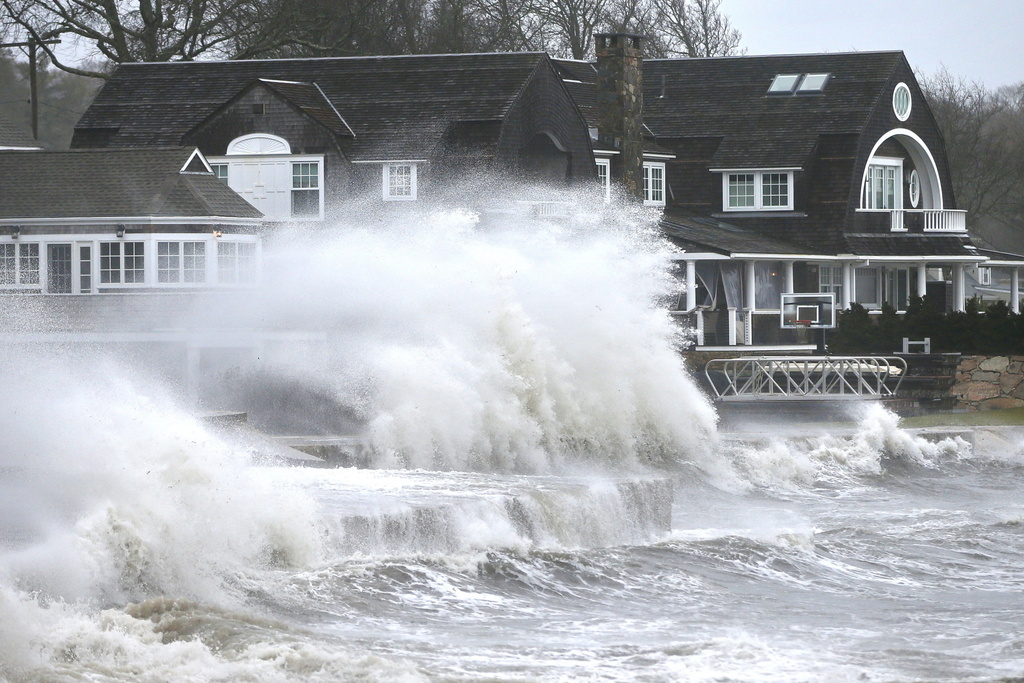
column 654, row 183
column 830, row 279
column 19, row 264
column 758, row 191
column 122, row 263
column 399, row 182
column 305, row 189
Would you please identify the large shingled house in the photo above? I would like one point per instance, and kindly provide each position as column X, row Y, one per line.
column 298, row 137
column 779, row 174
column 801, row 173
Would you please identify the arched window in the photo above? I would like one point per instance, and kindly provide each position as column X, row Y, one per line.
column 259, row 143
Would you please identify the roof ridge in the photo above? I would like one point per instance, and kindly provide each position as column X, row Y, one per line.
column 329, row 59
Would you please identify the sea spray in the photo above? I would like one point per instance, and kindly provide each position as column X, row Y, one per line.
column 452, row 342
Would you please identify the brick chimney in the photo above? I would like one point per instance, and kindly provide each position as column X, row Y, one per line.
column 620, row 101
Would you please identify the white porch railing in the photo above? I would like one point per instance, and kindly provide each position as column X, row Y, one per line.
column 945, row 220
column 824, row 378
column 931, row 220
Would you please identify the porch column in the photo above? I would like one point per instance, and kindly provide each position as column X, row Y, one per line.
column 788, row 273
column 847, row 285
column 922, row 279
column 959, row 293
column 749, row 300
column 1015, row 290
column 691, row 285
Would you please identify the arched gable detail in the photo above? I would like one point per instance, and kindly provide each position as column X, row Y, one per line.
column 259, row 143
column 931, row 186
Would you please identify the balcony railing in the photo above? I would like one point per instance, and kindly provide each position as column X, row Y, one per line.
column 914, row 220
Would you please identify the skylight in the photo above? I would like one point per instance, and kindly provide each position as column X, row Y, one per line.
column 784, row 84
column 788, row 84
column 813, row 83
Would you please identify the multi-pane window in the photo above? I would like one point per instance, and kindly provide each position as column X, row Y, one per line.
column 604, row 178
column 220, row 171
column 830, row 279
column 741, row 191
column 775, row 190
column 881, row 187
column 399, row 182
column 181, row 262
column 654, row 184
column 758, row 190
column 305, row 189
column 236, row 262
column 122, row 262
column 19, row 264
column 85, row 268
column 901, row 102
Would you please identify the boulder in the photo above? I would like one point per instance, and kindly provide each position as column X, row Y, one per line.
column 995, row 364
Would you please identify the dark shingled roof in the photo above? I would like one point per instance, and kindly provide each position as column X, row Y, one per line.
column 309, row 98
column 397, row 107
column 695, row 232
column 910, row 244
column 13, row 136
column 727, row 97
column 113, row 183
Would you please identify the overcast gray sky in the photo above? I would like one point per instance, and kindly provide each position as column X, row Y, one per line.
column 981, row 40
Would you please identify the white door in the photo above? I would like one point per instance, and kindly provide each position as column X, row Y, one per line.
column 266, row 184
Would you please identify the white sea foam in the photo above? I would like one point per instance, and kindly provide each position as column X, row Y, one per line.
column 795, row 464
column 463, row 345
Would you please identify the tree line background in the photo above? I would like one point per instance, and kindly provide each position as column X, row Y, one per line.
column 983, row 128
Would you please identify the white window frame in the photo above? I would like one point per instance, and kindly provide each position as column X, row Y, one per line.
column 604, row 177
column 914, row 188
column 902, row 101
column 884, row 165
column 868, row 272
column 388, row 189
column 23, row 277
column 654, row 173
column 230, row 270
column 122, row 271
column 245, row 151
column 830, row 279
column 174, row 265
column 985, row 275
column 759, row 177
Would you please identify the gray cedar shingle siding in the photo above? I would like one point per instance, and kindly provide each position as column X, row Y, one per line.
column 112, row 183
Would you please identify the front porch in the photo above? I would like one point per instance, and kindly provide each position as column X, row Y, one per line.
column 736, row 303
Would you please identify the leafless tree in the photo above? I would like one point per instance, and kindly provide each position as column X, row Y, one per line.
column 696, row 28
column 984, row 136
column 156, row 30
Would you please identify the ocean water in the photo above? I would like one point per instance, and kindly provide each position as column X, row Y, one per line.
column 548, row 497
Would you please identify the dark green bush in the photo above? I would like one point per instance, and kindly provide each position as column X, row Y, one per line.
column 989, row 330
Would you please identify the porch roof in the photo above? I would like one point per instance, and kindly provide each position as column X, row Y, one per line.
column 693, row 231
column 911, row 245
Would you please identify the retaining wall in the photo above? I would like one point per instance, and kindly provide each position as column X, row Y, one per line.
column 989, row 382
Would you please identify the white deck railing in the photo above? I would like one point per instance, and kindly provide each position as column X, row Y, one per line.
column 823, row 378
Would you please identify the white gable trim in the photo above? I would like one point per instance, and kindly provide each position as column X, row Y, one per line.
column 258, row 143
column 928, row 170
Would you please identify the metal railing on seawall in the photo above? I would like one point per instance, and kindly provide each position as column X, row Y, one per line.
column 825, row 378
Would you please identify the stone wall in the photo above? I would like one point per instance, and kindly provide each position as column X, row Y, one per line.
column 989, row 382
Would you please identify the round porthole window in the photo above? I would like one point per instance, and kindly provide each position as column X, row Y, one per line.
column 915, row 189
column 901, row 102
